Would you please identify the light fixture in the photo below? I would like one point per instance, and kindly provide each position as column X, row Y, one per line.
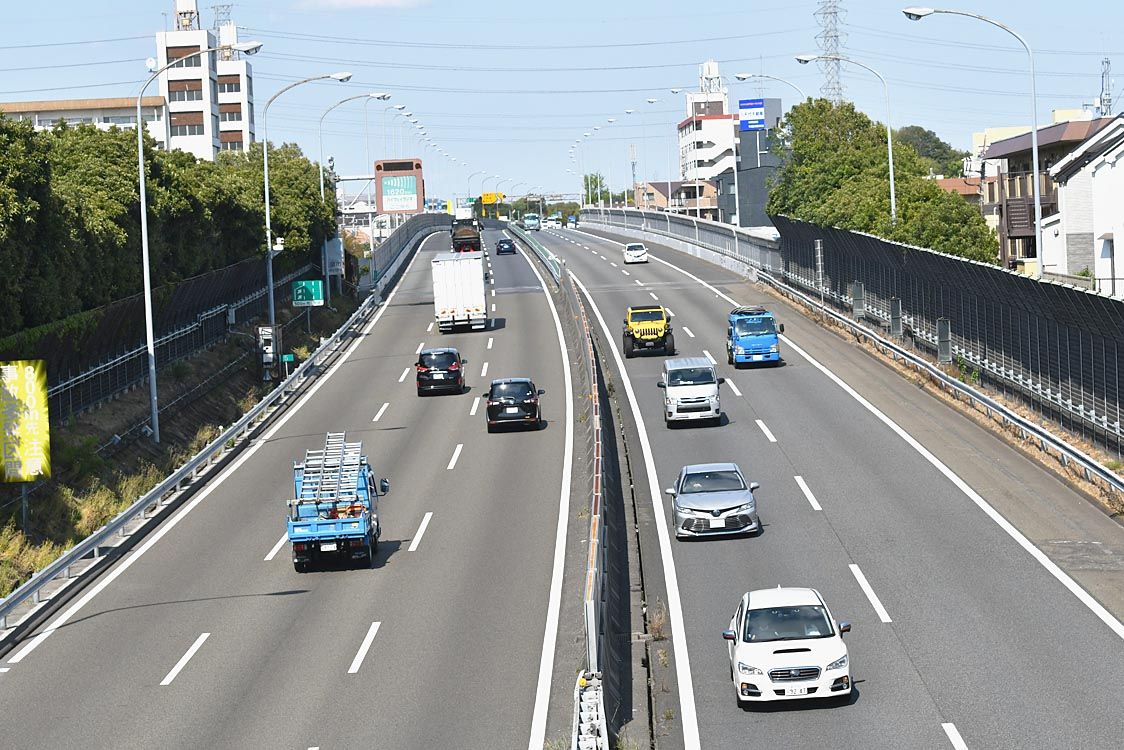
column 343, row 77
column 805, row 59
column 916, row 14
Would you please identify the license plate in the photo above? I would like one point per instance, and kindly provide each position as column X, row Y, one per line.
column 758, row 357
column 796, row 691
column 649, row 343
column 717, row 523
column 327, row 546
column 438, row 376
column 511, row 410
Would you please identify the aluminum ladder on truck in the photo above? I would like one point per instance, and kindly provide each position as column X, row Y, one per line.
column 332, row 474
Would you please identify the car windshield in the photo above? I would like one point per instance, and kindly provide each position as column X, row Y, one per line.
column 711, row 481
column 644, row 316
column 787, row 624
column 438, row 360
column 691, row 376
column 754, row 327
column 634, row 248
column 512, row 390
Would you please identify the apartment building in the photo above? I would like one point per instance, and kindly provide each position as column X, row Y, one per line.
column 102, row 113
column 706, row 135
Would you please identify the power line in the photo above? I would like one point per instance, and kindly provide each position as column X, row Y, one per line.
column 73, row 44
column 132, row 60
column 135, row 82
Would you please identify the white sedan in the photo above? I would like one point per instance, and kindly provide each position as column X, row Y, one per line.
column 784, row 645
column 635, row 252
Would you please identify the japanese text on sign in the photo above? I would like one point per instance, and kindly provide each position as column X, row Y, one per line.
column 25, row 443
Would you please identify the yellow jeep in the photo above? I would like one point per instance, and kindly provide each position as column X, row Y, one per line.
column 648, row 327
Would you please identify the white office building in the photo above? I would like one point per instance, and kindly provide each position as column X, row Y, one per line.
column 706, row 136
column 102, row 113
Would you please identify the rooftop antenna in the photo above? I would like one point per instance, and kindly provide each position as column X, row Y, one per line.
column 187, row 15
column 1104, row 108
column 222, row 15
column 830, row 41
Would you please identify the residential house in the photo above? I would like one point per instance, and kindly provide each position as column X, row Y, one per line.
column 699, row 199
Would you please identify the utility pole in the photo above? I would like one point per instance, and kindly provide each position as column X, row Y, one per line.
column 632, row 158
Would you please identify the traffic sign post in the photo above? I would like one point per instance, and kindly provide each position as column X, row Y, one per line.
column 751, row 114
column 287, row 359
column 308, row 293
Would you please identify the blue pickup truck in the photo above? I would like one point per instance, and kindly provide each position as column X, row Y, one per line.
column 751, row 336
column 334, row 510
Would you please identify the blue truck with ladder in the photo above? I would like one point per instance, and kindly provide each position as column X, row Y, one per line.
column 752, row 336
column 334, row 510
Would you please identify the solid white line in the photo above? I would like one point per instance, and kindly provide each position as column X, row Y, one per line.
column 429, row 328
column 404, row 374
column 381, row 411
column 688, row 331
column 456, row 455
column 420, row 347
column 883, row 615
column 489, row 342
column 808, row 493
column 709, row 356
column 277, row 547
column 185, row 659
column 364, row 647
column 554, row 600
column 687, row 710
column 653, row 296
column 954, row 736
column 211, row 486
column 421, row 530
column 733, row 387
column 475, row 405
column 765, row 429
column 484, row 370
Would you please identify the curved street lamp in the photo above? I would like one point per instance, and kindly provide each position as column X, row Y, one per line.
column 249, row 48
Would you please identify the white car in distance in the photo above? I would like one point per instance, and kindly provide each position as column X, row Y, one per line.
column 635, row 252
column 784, row 645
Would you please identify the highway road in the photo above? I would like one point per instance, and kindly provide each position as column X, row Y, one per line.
column 205, row 636
column 961, row 638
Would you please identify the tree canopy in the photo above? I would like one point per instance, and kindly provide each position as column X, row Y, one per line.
column 835, row 172
column 938, row 155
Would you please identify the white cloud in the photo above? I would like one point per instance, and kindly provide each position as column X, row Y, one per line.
column 358, row 4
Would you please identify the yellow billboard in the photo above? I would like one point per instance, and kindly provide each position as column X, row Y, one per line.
column 489, row 199
column 25, row 440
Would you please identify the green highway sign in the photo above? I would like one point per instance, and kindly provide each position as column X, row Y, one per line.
column 308, row 293
column 288, row 358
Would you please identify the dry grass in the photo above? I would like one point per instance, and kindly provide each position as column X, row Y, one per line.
column 657, row 621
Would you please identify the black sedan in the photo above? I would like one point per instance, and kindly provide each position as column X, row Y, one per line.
column 440, row 370
column 505, row 247
column 514, row 401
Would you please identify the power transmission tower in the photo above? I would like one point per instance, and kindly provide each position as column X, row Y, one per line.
column 222, row 15
column 1105, row 102
column 830, row 41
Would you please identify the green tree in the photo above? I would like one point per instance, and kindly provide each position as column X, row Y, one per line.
column 939, row 156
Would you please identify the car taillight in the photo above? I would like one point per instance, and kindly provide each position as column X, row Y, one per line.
column 299, row 546
column 455, row 366
column 422, row 368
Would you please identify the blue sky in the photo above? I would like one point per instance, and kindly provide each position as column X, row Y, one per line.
column 506, row 87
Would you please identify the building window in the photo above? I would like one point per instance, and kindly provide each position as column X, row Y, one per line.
column 230, row 88
column 119, row 119
column 178, row 130
column 189, row 62
column 185, row 96
column 231, row 117
column 231, row 146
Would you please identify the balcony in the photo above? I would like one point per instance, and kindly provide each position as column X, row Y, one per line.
column 1017, row 198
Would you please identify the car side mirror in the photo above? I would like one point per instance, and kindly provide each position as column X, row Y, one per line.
column 781, row 327
column 384, row 486
column 464, row 361
column 661, row 384
column 754, row 486
column 721, row 381
column 729, row 635
column 729, row 333
column 844, row 627
column 669, row 491
column 542, row 392
column 625, row 321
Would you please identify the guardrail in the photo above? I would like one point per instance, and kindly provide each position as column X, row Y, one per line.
column 200, row 463
column 1093, row 471
column 552, row 262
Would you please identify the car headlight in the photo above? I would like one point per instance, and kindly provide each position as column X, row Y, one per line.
column 747, row 508
column 774, row 349
column 746, row 669
column 741, row 350
column 839, row 663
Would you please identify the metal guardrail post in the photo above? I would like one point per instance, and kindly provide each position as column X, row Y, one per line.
column 896, row 317
column 858, row 300
column 944, row 341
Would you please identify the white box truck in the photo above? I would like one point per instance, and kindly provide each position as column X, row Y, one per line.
column 458, row 291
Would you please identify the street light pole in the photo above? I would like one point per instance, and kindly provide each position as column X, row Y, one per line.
column 916, row 14
column 805, row 59
column 249, row 48
column 343, row 78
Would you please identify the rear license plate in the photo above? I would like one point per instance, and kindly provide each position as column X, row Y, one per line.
column 796, row 691
column 511, row 410
column 438, row 376
column 717, row 523
column 327, row 546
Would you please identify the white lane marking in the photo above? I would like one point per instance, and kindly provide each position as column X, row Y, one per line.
column 5, row 669
column 420, row 347
column 493, row 292
column 493, row 304
column 429, row 328
column 669, row 312
column 489, row 342
column 364, row 647
column 492, row 281
column 554, row 601
column 381, row 411
column 883, row 615
column 765, row 429
column 603, row 258
column 709, row 356
column 185, row 659
column 626, row 273
column 164, row 528
column 456, row 455
column 653, row 296
column 954, row 736
column 475, row 406
column 687, row 710
column 688, row 331
column 808, row 493
column 640, row 283
column 421, row 530
column 611, row 263
column 733, row 387
column 484, row 370
column 404, row 374
column 277, row 547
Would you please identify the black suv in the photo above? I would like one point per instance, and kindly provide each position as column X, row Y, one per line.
column 514, row 401
column 440, row 370
column 505, row 247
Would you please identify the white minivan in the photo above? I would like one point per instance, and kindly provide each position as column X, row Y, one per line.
column 635, row 252
column 690, row 390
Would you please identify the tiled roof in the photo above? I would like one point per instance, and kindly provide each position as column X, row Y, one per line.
column 1062, row 132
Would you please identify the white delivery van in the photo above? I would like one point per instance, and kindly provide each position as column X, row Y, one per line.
column 635, row 252
column 458, row 291
column 690, row 390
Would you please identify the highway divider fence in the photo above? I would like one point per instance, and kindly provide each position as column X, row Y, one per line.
column 1058, row 347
